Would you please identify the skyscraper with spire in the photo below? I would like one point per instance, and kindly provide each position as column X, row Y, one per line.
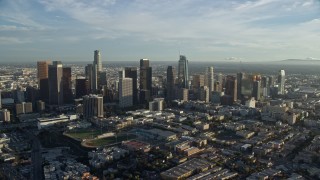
column 183, row 72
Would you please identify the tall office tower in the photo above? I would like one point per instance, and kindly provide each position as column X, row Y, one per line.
column 217, row 86
column 92, row 76
column 82, row 87
column 231, row 87
column 240, row 77
column 265, row 85
column 102, row 78
column 92, row 106
column 183, row 72
column 145, row 80
column 42, row 67
column 132, row 72
column 256, row 91
column 55, row 83
column 210, row 79
column 281, row 81
column 246, row 86
column 171, row 76
column 204, row 94
column 125, row 91
column 97, row 60
column 66, row 85
column 271, row 80
column 43, row 82
column 5, row 115
column 32, row 95
column 220, row 85
column 264, row 81
column 183, row 94
column 197, row 81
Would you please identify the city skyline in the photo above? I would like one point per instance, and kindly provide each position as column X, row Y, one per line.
column 262, row 30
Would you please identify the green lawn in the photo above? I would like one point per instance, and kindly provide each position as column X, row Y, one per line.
column 84, row 133
column 110, row 140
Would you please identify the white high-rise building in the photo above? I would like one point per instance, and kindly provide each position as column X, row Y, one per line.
column 125, row 91
column 281, row 81
column 97, row 60
column 210, row 80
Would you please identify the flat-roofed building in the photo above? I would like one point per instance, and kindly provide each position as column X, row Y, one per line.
column 186, row 169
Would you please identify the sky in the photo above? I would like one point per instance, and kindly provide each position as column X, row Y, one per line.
column 128, row 30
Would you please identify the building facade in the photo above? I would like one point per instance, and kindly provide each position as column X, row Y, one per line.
column 92, row 106
column 171, row 76
column 183, row 72
column 55, row 83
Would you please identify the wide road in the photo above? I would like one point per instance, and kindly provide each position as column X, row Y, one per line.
column 36, row 157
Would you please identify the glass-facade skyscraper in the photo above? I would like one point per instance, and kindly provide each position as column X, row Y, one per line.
column 183, row 72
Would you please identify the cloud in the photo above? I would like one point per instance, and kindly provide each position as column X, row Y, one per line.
column 18, row 12
column 12, row 28
column 239, row 27
column 12, row 40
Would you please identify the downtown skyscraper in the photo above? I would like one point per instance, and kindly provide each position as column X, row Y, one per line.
column 183, row 72
column 171, row 76
column 97, row 60
column 132, row 72
column 231, row 87
column 67, row 86
column 93, row 72
column 281, row 81
column 145, row 80
column 210, row 80
column 55, row 72
column 92, row 106
column 43, row 81
column 125, row 90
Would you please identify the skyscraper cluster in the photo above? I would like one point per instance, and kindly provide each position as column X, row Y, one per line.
column 55, row 85
column 135, row 85
column 54, row 82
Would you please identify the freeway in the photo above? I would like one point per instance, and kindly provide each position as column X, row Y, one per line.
column 9, row 172
column 36, row 160
column 19, row 125
column 36, row 157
